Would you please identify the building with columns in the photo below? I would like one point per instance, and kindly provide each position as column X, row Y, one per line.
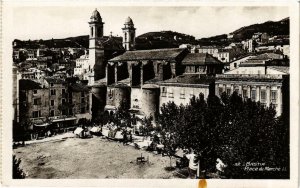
column 145, row 79
column 266, row 88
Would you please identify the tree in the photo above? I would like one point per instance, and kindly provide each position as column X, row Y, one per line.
column 169, row 120
column 17, row 171
column 147, row 127
column 236, row 130
column 122, row 117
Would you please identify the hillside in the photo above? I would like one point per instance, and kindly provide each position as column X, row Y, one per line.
column 170, row 39
column 74, row 42
column 281, row 27
column 163, row 39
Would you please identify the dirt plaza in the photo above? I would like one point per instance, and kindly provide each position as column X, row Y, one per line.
column 89, row 158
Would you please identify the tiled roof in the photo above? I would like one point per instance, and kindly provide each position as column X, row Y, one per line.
column 157, row 54
column 283, row 69
column 199, row 59
column 26, row 84
column 267, row 56
column 189, row 79
column 78, row 87
column 55, row 80
column 110, row 43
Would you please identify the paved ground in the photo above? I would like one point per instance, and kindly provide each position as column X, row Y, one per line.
column 89, row 158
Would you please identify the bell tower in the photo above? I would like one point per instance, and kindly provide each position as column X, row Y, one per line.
column 129, row 35
column 96, row 50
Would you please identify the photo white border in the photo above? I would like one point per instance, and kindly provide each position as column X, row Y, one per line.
column 7, row 111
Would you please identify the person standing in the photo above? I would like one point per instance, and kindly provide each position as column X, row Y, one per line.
column 193, row 164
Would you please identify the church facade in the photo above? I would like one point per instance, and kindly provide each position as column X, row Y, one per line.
column 145, row 79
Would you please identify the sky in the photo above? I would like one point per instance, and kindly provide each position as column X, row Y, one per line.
column 200, row 21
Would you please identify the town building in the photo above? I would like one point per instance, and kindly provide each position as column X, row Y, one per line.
column 248, row 45
column 259, row 64
column 212, row 50
column 199, row 63
column 182, row 88
column 265, row 88
column 53, row 102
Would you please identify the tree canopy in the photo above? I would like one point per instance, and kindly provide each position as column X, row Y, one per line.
column 237, row 130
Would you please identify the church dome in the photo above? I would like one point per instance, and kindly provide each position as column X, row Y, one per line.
column 128, row 21
column 96, row 16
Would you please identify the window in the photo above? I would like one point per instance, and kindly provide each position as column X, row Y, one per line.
column 63, row 101
column 51, row 84
column 273, row 96
column 52, row 102
column 82, row 110
column 171, row 95
column 182, row 94
column 164, row 92
column 63, row 91
column 228, row 91
column 253, row 94
column 64, row 112
column 192, row 94
column 52, row 113
column 235, row 65
column 110, row 94
column 274, row 106
column 35, row 91
column 82, row 94
column 245, row 93
column 70, row 111
column 82, row 100
column 53, row 92
column 220, row 90
column 37, row 101
column 236, row 90
column 263, row 96
column 36, row 114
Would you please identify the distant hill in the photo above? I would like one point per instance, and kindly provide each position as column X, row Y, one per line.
column 170, row 39
column 150, row 40
column 281, row 27
column 73, row 42
column 163, row 39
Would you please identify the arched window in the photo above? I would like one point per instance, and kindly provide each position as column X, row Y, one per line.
column 125, row 37
column 98, row 32
column 92, row 31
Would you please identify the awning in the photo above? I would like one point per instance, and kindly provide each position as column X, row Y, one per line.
column 95, row 130
column 78, row 130
column 110, row 107
column 64, row 119
column 41, row 125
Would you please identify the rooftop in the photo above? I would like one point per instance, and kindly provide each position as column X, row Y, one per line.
column 110, row 43
column 189, row 79
column 157, row 54
column 268, row 56
column 55, row 80
column 26, row 84
column 78, row 87
column 200, row 59
column 283, row 69
column 250, row 77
